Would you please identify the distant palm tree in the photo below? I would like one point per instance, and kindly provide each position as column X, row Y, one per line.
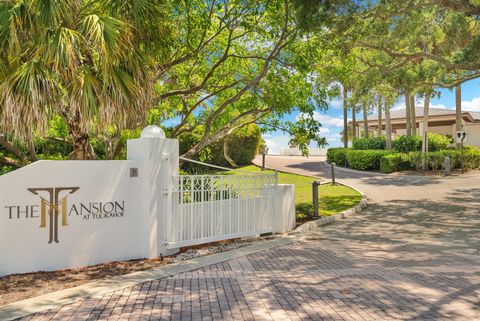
column 76, row 58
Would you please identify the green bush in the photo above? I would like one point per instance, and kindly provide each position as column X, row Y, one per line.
column 437, row 142
column 365, row 159
column 435, row 160
column 416, row 160
column 337, row 156
column 242, row 147
column 472, row 158
column 369, row 143
column 243, row 144
column 406, row 144
column 305, row 210
column 395, row 162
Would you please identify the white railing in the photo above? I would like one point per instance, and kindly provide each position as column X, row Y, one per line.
column 209, row 208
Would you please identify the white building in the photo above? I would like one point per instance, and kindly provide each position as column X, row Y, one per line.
column 440, row 121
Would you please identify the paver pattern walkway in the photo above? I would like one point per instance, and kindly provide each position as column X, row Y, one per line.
column 398, row 260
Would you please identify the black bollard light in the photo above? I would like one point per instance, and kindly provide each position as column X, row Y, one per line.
column 333, row 173
column 264, row 152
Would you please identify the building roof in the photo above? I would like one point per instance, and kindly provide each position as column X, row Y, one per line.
column 400, row 113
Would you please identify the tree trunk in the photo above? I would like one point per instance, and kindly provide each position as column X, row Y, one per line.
column 7, row 161
column 345, row 117
column 31, row 150
column 380, row 125
column 413, row 114
column 426, row 110
column 225, row 153
column 9, row 146
column 82, row 150
column 458, row 108
column 388, row 126
column 354, row 122
column 407, row 113
column 365, row 118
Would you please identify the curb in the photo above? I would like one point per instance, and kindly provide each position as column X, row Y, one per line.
column 333, row 218
column 55, row 299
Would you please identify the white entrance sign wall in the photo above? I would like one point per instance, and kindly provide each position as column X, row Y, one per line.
column 68, row 214
column 101, row 220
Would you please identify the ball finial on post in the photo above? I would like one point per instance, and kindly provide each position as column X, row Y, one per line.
column 152, row 131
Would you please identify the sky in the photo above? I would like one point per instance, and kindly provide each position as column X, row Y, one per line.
column 332, row 119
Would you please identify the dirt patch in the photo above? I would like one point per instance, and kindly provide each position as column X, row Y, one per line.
column 17, row 287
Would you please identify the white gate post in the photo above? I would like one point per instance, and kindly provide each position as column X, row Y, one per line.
column 159, row 157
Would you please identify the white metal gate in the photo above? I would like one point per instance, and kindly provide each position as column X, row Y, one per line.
column 209, row 208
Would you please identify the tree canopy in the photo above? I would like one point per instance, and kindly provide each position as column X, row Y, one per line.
column 88, row 74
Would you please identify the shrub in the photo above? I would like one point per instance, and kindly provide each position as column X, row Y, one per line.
column 395, row 162
column 242, row 146
column 435, row 160
column 305, row 210
column 365, row 159
column 437, row 142
column 472, row 158
column 369, row 143
column 416, row 160
column 337, row 155
column 406, row 144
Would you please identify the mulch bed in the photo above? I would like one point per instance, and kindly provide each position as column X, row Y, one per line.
column 17, row 287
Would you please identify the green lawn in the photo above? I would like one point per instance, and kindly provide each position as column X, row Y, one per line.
column 333, row 198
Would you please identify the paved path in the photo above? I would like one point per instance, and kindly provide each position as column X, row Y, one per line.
column 414, row 254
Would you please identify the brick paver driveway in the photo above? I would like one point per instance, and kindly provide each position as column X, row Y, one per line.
column 414, row 254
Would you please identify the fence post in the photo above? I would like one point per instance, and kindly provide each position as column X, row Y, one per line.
column 315, row 185
column 160, row 164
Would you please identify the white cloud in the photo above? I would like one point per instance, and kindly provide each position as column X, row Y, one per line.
column 324, row 130
column 328, row 120
column 439, row 106
column 335, row 103
column 276, row 143
column 400, row 104
column 471, row 105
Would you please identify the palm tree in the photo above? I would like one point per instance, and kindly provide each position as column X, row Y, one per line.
column 413, row 122
column 426, row 110
column 365, row 117
column 379, row 119
column 79, row 59
column 458, row 107
column 345, row 116
column 408, row 118
column 388, row 125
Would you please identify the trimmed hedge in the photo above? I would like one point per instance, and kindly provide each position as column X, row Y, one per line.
column 388, row 161
column 337, row 155
column 369, row 143
column 365, row 159
column 435, row 160
column 395, row 162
